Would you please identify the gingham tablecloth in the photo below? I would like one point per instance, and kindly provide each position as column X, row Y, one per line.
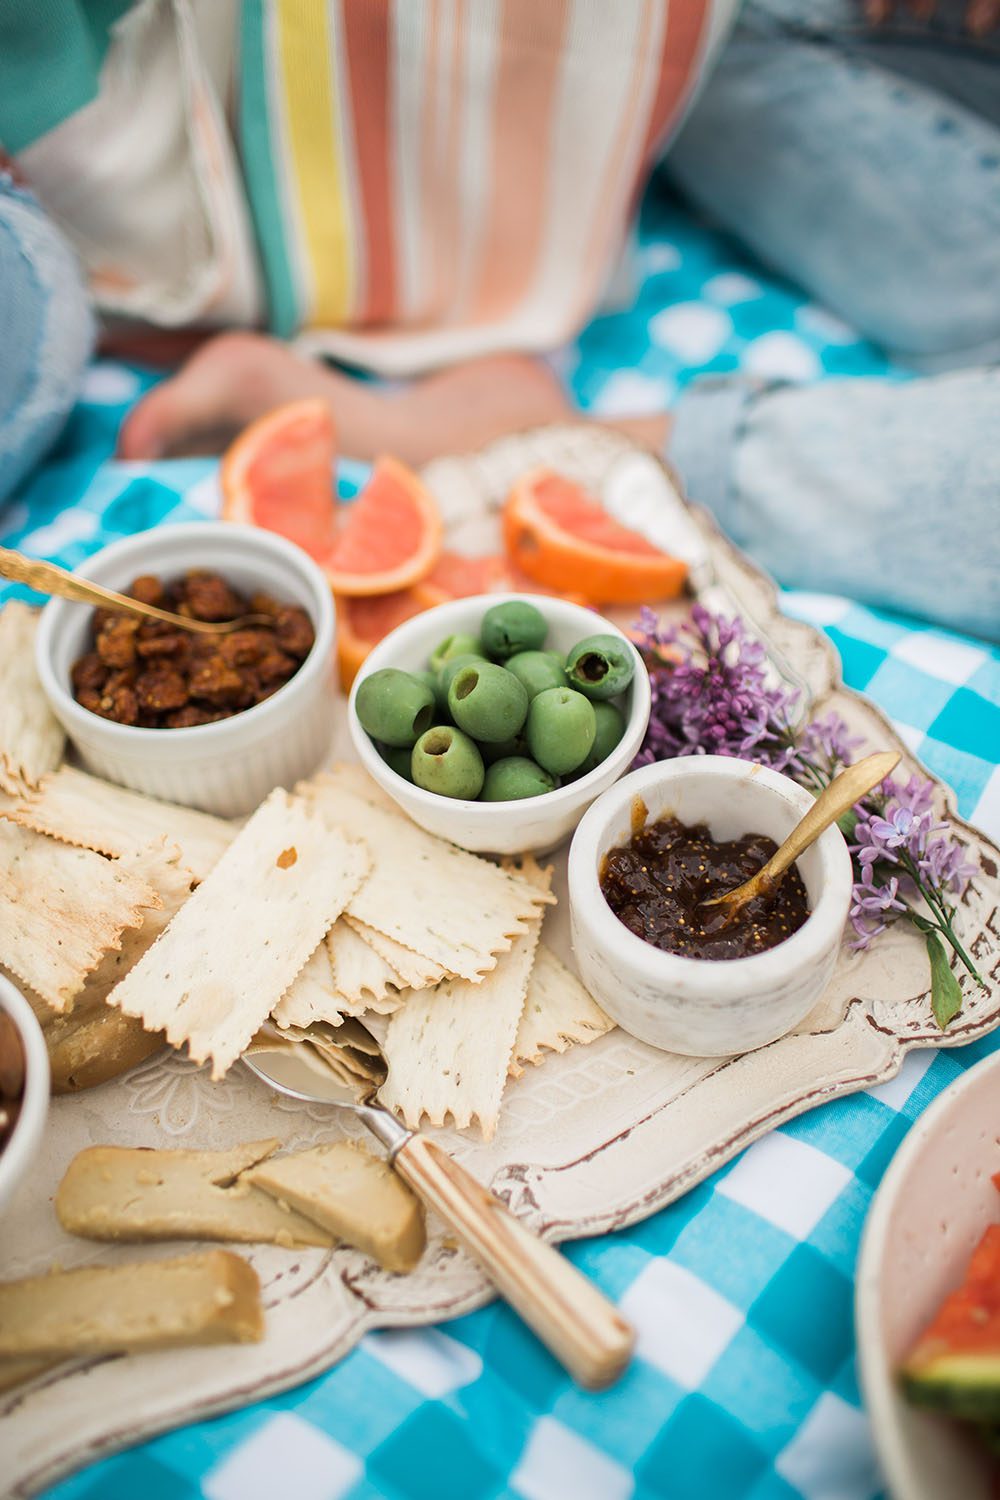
column 744, row 1386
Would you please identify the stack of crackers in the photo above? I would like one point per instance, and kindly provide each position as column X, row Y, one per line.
column 326, row 903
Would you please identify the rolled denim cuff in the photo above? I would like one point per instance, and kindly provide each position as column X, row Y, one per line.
column 708, row 422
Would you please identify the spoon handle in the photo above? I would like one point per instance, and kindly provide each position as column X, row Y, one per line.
column 48, row 578
column 836, row 799
column 581, row 1327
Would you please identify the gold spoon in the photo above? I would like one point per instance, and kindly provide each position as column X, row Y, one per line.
column 836, row 799
column 47, row 578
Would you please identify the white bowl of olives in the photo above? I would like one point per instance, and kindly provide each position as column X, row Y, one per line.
column 495, row 721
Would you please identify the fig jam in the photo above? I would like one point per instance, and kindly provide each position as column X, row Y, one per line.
column 656, row 883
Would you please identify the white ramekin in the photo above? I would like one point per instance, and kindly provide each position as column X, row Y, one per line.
column 531, row 824
column 228, row 767
column 16, row 1156
column 695, row 1006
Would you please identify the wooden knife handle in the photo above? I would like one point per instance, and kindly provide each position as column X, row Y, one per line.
column 576, row 1322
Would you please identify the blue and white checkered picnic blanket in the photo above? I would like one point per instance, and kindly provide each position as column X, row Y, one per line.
column 744, row 1387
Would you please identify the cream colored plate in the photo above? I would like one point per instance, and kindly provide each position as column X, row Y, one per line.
column 928, row 1215
column 591, row 1141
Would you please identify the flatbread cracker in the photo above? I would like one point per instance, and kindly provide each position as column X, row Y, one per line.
column 31, row 737
column 234, row 948
column 558, row 1013
column 413, row 971
column 449, row 906
column 362, row 978
column 93, row 814
column 449, row 1049
column 311, row 995
column 62, row 909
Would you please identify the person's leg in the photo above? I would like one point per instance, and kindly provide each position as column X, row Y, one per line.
column 238, row 376
column 46, row 333
column 878, row 193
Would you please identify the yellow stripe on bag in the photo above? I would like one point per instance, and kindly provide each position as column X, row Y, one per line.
column 312, row 121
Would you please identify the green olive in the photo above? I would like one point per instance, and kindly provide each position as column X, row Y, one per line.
column 600, row 666
column 487, row 702
column 610, row 728
column 444, row 760
column 513, row 778
column 538, row 670
column 397, row 758
column 512, row 627
column 448, row 671
column 502, row 749
column 561, row 730
column 459, row 644
column 394, row 707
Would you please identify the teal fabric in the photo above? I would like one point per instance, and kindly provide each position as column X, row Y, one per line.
column 51, row 53
column 744, row 1387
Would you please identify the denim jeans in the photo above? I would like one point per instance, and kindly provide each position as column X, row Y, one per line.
column 864, row 165
column 46, row 333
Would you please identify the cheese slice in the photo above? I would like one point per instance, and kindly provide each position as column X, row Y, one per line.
column 212, row 1297
column 356, row 1196
column 122, row 1193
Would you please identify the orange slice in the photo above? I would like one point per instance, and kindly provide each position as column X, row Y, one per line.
column 560, row 536
column 390, row 538
column 278, row 474
column 361, row 623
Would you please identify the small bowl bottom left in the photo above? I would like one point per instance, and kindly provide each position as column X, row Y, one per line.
column 17, row 1154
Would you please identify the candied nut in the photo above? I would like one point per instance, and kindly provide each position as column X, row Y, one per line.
column 120, row 704
column 170, row 643
column 244, row 647
column 211, row 598
column 88, row 673
column 161, row 689
column 294, row 633
column 263, row 604
column 148, row 590
column 216, row 682
column 192, row 714
column 116, row 643
column 275, row 666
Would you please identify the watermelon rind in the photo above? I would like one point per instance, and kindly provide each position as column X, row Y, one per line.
column 959, row 1385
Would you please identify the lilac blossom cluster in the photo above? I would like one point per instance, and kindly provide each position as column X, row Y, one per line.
column 902, row 849
column 710, row 694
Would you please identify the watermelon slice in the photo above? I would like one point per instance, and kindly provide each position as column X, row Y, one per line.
column 955, row 1366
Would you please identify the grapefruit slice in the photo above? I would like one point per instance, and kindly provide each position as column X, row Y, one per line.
column 562, row 537
column 362, row 622
column 279, row 474
column 390, row 538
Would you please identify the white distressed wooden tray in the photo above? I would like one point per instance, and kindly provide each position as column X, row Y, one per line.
column 589, row 1142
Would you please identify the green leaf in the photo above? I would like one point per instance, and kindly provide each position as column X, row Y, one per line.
column 848, row 824
column 946, row 992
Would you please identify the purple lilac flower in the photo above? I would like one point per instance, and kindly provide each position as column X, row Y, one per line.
column 897, row 829
column 710, row 694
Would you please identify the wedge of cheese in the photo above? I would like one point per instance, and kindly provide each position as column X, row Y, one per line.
column 122, row 1193
column 356, row 1196
column 209, row 1298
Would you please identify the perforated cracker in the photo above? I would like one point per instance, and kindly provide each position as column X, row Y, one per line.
column 234, row 948
column 362, row 978
column 310, row 996
column 413, row 971
column 62, row 910
column 449, row 1049
column 559, row 1012
column 31, row 737
column 93, row 814
column 439, row 901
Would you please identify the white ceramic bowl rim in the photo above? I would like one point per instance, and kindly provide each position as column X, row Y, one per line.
column 14, row 1157
column 801, row 949
column 146, row 544
column 561, row 797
